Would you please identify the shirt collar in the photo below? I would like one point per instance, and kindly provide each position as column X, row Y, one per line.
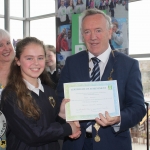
column 33, row 88
column 48, row 70
column 103, row 57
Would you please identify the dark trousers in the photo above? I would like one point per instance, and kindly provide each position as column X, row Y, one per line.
column 88, row 144
column 112, row 13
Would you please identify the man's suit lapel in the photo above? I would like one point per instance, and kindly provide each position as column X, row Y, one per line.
column 85, row 66
column 110, row 65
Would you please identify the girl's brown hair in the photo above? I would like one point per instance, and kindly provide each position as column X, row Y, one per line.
column 15, row 81
column 50, row 48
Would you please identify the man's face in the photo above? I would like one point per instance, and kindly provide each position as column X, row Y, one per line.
column 64, row 31
column 69, row 34
column 96, row 34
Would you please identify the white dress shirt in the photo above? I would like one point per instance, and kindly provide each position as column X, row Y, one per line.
column 104, row 59
column 33, row 88
column 49, row 70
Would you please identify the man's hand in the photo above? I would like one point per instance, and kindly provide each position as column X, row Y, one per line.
column 75, row 129
column 107, row 120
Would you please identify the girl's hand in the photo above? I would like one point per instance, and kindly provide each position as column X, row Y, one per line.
column 62, row 113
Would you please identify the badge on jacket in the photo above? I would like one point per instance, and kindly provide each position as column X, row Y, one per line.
column 52, row 101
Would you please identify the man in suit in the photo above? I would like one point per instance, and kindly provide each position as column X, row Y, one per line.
column 113, row 132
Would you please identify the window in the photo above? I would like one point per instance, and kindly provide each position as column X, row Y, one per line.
column 139, row 27
column 2, row 7
column 16, row 8
column 41, row 7
column 16, row 29
column 44, row 29
column 2, row 23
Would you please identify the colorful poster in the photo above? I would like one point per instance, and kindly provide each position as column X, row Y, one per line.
column 63, row 45
column 119, row 15
column 65, row 10
column 77, row 41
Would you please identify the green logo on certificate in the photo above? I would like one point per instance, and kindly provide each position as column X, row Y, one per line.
column 109, row 87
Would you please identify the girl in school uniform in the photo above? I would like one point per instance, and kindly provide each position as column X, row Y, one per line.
column 70, row 10
column 29, row 102
column 80, row 7
column 62, row 12
column 51, row 63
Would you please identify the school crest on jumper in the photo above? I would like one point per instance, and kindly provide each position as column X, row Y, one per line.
column 52, row 101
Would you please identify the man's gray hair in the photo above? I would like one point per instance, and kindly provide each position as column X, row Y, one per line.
column 94, row 11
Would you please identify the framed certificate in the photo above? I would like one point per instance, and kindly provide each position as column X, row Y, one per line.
column 88, row 99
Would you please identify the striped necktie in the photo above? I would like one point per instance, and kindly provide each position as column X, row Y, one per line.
column 95, row 75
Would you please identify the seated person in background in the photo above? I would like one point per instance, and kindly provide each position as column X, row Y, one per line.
column 51, row 63
column 117, row 36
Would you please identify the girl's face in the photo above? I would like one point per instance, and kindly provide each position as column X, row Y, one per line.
column 32, row 62
column 79, row 1
column 7, row 52
column 65, row 36
column 62, row 2
column 50, row 59
column 70, row 2
column 114, row 28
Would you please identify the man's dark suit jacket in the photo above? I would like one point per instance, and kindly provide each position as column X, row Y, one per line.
column 132, row 109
